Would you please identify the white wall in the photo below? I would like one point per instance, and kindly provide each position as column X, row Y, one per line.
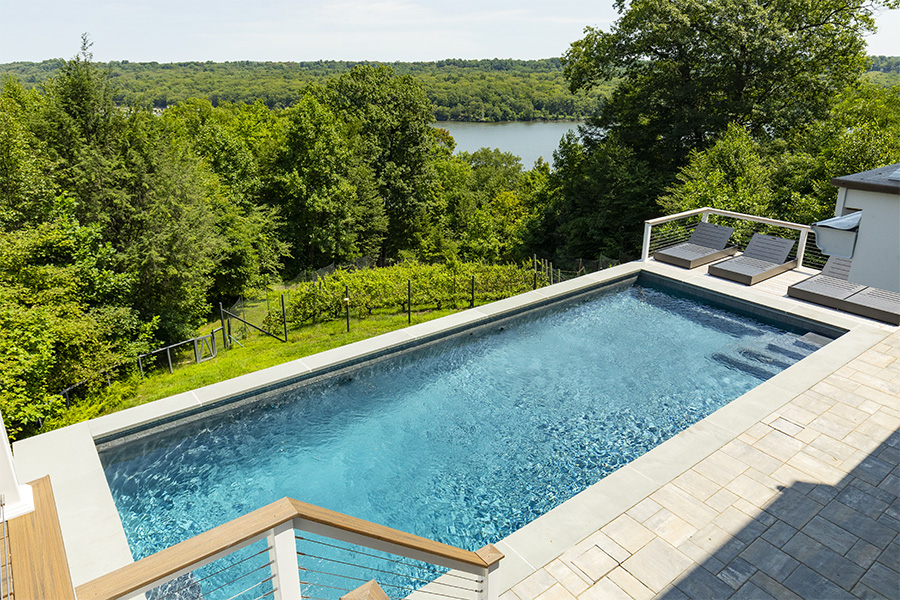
column 876, row 260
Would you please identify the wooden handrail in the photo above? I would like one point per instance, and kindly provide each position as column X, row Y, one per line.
column 202, row 548
column 317, row 514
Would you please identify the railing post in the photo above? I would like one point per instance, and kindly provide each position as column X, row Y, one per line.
column 283, row 554
column 801, row 248
column 705, row 216
column 645, row 248
column 491, row 586
column 196, row 352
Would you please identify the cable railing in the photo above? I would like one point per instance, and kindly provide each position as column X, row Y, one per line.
column 670, row 230
column 290, row 550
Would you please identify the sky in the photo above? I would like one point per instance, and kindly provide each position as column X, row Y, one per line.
column 303, row 30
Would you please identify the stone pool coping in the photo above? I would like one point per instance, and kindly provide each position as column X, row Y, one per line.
column 96, row 543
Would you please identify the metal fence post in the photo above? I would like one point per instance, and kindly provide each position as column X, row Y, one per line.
column 409, row 301
column 283, row 554
column 196, row 352
column 141, row 366
column 224, row 333
column 284, row 317
column 472, row 305
column 169, row 356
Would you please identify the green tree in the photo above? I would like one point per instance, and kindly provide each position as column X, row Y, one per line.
column 790, row 178
column 327, row 195
column 26, row 187
column 392, row 117
column 594, row 201
column 690, row 68
column 684, row 71
column 233, row 141
column 142, row 186
column 64, row 315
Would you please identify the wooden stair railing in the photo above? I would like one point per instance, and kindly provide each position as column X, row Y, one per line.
column 277, row 522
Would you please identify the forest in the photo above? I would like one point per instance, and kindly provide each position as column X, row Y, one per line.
column 460, row 90
column 122, row 226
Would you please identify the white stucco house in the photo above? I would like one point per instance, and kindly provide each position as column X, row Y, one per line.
column 876, row 256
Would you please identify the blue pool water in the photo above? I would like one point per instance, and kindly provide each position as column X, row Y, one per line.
column 463, row 441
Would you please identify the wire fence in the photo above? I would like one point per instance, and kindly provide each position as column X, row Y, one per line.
column 270, row 311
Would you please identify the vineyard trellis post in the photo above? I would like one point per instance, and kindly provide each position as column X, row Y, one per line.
column 283, row 315
column 347, row 305
column 224, row 333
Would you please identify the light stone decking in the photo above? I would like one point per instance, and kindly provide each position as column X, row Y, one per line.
column 789, row 491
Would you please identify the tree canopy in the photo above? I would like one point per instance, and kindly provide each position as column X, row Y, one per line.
column 686, row 73
column 688, row 69
column 120, row 226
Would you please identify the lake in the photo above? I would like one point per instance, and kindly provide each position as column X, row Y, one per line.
column 527, row 140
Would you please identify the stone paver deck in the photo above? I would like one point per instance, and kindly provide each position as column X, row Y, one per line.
column 803, row 504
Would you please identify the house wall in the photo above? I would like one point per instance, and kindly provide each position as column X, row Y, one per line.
column 876, row 260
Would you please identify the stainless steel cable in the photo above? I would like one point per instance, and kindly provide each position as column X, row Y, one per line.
column 393, row 560
column 214, row 573
column 269, row 578
column 398, row 587
column 394, row 573
column 209, row 593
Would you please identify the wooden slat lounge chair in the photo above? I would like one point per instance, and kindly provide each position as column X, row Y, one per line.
column 707, row 244
column 829, row 287
column 765, row 257
column 874, row 303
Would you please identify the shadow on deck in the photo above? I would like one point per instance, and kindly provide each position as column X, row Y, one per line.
column 816, row 542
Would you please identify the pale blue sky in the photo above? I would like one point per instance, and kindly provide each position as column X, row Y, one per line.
column 284, row 30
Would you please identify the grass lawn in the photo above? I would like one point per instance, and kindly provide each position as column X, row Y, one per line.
column 260, row 351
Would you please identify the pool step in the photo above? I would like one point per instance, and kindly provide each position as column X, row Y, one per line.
column 753, row 368
column 764, row 358
column 792, row 353
column 774, row 358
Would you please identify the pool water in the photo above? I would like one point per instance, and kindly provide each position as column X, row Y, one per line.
column 464, row 441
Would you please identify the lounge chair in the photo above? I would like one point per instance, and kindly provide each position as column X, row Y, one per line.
column 765, row 257
column 828, row 288
column 832, row 289
column 707, row 244
column 874, row 303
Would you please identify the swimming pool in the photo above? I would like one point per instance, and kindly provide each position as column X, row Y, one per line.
column 462, row 441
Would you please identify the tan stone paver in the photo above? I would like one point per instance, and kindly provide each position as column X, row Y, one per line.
column 801, row 505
